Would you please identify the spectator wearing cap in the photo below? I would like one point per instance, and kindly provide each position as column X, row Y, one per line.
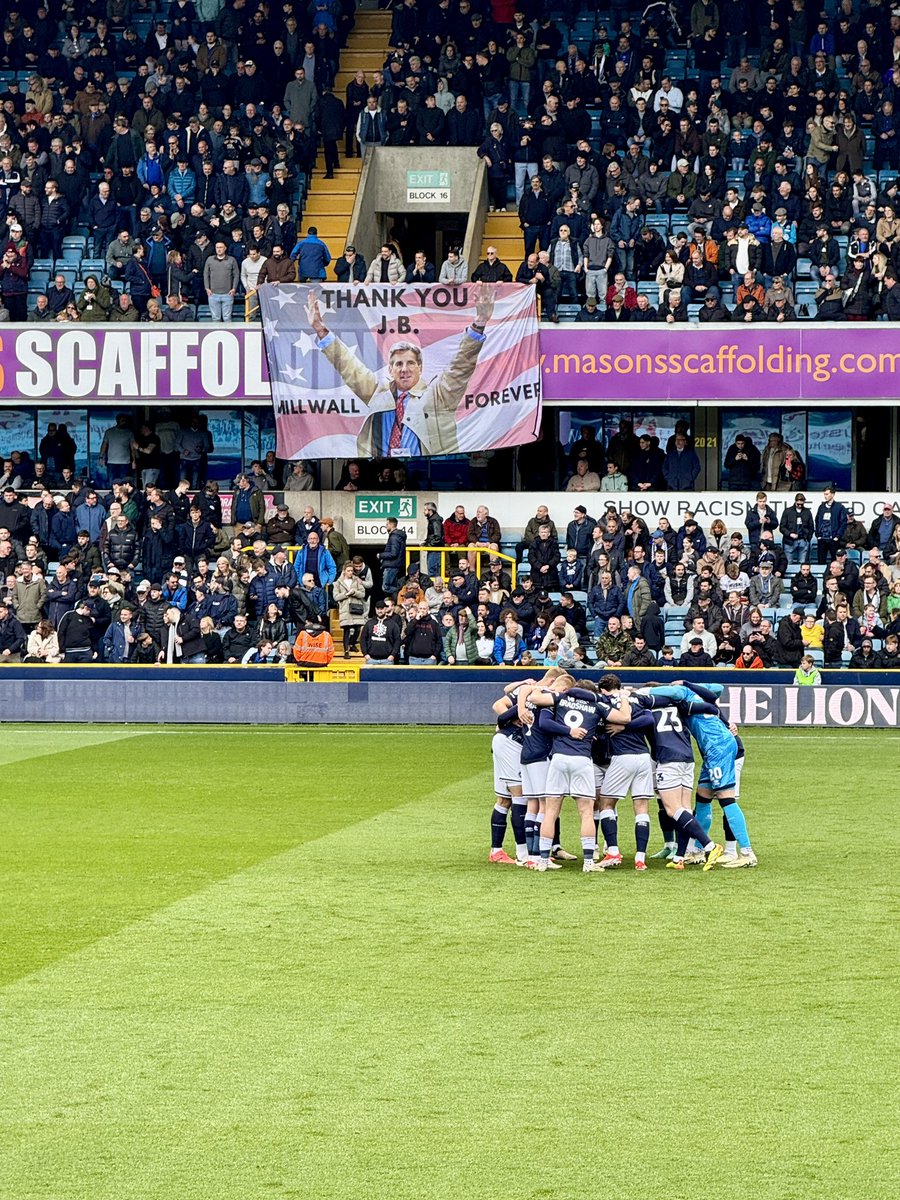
column 14, row 284
column 335, row 542
column 790, row 638
column 75, row 633
column 280, row 528
column 796, row 526
column 257, row 182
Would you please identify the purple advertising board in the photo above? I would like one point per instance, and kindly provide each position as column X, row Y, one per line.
column 189, row 363
column 210, row 364
column 722, row 363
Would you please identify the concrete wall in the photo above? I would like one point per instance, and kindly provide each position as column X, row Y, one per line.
column 259, row 696
column 382, row 190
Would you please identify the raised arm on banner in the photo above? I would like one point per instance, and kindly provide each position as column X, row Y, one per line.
column 484, row 305
column 314, row 315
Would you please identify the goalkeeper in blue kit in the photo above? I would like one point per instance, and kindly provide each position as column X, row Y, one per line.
column 719, row 750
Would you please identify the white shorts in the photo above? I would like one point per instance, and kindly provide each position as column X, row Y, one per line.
column 673, row 775
column 534, row 779
column 738, row 767
column 507, row 768
column 629, row 773
column 599, row 775
column 570, row 775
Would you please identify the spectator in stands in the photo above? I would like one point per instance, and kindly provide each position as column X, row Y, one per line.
column 387, row 267
column 455, row 268
column 497, row 157
column 350, row 267
column 681, row 466
column 492, row 270
column 464, row 124
column 221, row 277
column 311, row 255
column 420, row 270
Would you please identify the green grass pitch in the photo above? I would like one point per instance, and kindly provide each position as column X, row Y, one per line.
column 240, row 964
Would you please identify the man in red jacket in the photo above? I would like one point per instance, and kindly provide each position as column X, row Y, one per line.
column 456, row 528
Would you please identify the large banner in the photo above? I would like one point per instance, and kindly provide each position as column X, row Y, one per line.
column 401, row 371
column 716, row 364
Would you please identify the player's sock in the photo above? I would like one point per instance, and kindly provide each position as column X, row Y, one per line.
column 641, row 836
column 588, row 846
column 703, row 813
column 531, row 833
column 730, row 840
column 688, row 827
column 557, row 833
column 666, row 825
column 498, row 826
column 518, row 815
column 738, row 823
column 609, row 823
column 545, row 845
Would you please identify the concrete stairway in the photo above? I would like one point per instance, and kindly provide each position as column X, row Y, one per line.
column 329, row 204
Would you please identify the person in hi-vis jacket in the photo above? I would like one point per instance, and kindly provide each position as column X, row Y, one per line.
column 409, row 414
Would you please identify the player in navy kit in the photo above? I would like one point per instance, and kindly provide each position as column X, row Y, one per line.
column 674, row 757
column 537, row 746
column 577, row 715
column 630, row 770
column 506, row 751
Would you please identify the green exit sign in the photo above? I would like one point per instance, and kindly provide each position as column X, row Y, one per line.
column 428, row 179
column 369, row 508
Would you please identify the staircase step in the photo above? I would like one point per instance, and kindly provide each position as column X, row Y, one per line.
column 370, row 21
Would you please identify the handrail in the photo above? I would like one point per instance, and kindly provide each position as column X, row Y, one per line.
column 459, row 552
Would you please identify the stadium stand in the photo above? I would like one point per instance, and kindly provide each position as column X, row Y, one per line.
column 737, row 145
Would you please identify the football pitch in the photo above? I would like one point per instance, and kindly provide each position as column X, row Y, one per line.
column 243, row 963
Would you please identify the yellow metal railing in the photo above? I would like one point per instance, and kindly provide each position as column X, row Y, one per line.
column 251, row 306
column 458, row 552
column 345, row 673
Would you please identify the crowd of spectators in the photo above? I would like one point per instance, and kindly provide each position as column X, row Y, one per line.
column 739, row 158
column 171, row 143
column 158, row 569
column 610, row 591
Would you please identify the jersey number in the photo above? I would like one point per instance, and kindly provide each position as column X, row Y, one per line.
column 574, row 718
column 669, row 721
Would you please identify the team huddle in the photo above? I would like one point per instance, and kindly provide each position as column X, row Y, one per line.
column 597, row 743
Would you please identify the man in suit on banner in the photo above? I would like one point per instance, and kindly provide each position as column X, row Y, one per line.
column 409, row 414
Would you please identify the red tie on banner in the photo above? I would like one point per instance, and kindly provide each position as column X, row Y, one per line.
column 397, row 431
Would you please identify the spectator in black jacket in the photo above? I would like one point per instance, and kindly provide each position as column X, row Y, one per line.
column 380, row 642
column 423, row 643
column 351, row 267
column 790, row 640
column 492, row 270
column 804, row 586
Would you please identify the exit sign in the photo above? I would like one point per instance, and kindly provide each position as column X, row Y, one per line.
column 370, row 508
column 373, row 511
column 424, row 187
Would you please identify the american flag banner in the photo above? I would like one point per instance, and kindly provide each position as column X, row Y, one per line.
column 385, row 371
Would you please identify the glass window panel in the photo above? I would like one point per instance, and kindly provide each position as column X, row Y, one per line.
column 76, row 423
column 17, row 431
column 226, row 425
